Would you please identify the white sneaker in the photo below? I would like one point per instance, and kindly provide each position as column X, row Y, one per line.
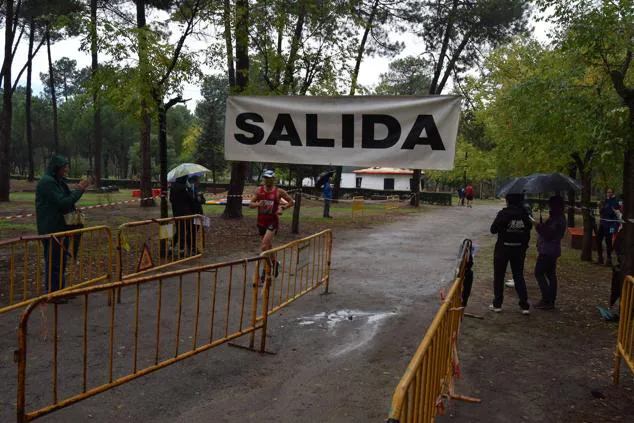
column 510, row 283
column 526, row 312
column 495, row 309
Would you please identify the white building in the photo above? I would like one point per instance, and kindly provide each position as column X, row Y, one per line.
column 377, row 178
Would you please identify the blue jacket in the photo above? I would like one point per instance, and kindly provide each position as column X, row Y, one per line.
column 327, row 191
column 549, row 235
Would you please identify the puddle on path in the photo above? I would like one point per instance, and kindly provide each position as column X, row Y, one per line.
column 330, row 320
column 362, row 326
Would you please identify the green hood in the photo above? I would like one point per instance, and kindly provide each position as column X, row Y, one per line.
column 54, row 165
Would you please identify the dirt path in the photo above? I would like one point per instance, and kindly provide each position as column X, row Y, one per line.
column 338, row 357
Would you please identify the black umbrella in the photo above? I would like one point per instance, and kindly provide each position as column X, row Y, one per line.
column 539, row 183
column 323, row 178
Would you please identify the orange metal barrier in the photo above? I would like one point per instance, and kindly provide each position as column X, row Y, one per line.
column 166, row 318
column 625, row 335
column 302, row 266
column 151, row 245
column 83, row 256
column 429, row 378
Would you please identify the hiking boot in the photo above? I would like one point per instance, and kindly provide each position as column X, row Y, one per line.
column 608, row 262
column 526, row 311
column 544, row 305
column 600, row 260
column 495, row 309
column 276, row 268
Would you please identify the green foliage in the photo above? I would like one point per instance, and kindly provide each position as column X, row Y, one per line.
column 407, row 76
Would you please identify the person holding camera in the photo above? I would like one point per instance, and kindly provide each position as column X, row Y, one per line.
column 56, row 212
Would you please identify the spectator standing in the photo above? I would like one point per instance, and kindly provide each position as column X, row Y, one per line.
column 513, row 227
column 53, row 200
column 186, row 200
column 608, row 226
column 327, row 198
column 549, row 235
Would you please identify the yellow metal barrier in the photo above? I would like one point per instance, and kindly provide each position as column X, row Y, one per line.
column 625, row 335
column 302, row 266
column 358, row 204
column 75, row 258
column 168, row 317
column 429, row 378
column 151, row 245
column 391, row 202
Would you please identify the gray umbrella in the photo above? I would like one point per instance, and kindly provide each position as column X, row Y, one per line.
column 540, row 183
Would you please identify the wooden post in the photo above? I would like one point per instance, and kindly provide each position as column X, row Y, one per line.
column 298, row 202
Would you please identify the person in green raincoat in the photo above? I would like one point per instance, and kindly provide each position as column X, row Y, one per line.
column 54, row 199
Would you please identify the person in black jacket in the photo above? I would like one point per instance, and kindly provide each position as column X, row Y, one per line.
column 186, row 200
column 513, row 227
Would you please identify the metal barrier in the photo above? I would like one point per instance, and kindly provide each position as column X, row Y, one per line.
column 166, row 318
column 34, row 265
column 358, row 204
column 155, row 244
column 391, row 202
column 625, row 335
column 301, row 266
column 429, row 378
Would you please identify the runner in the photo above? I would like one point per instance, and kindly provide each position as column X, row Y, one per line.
column 267, row 201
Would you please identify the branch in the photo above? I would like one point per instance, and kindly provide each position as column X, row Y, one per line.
column 29, row 59
column 626, row 63
column 17, row 43
column 452, row 62
column 181, row 41
column 174, row 101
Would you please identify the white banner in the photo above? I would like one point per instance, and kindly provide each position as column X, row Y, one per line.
column 389, row 131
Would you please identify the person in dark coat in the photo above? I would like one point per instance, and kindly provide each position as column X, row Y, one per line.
column 186, row 200
column 513, row 228
column 608, row 226
column 549, row 235
column 54, row 199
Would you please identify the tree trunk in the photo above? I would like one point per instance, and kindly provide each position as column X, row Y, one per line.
column 97, row 133
column 353, row 85
column 7, row 107
column 233, row 209
column 29, row 95
column 571, row 198
column 627, row 242
column 586, row 244
column 162, row 119
column 51, row 84
column 231, row 72
column 146, row 124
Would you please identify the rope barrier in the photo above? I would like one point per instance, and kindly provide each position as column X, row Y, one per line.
column 117, row 203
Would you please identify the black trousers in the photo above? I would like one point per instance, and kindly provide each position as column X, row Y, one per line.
column 604, row 233
column 327, row 202
column 501, row 258
column 546, row 275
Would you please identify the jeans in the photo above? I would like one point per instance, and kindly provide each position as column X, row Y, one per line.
column 604, row 233
column 56, row 257
column 546, row 275
column 327, row 202
column 501, row 258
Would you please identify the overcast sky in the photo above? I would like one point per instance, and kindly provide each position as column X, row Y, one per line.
column 371, row 68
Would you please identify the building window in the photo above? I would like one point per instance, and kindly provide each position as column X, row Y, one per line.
column 388, row 183
column 358, row 182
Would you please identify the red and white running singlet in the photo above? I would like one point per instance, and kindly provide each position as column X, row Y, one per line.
column 267, row 212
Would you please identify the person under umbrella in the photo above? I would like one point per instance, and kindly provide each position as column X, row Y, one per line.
column 513, row 227
column 549, row 235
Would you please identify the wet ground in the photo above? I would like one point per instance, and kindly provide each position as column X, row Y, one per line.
column 337, row 357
